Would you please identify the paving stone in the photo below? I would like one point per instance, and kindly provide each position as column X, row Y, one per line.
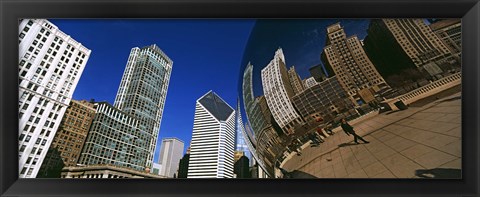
column 374, row 169
column 416, row 151
column 358, row 174
column 434, row 159
column 385, row 174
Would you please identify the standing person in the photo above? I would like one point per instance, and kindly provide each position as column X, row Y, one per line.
column 349, row 130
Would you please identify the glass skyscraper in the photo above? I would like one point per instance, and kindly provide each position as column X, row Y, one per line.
column 143, row 91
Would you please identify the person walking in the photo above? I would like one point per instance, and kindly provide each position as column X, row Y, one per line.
column 349, row 130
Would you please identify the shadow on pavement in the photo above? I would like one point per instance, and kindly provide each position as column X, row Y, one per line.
column 296, row 174
column 347, row 144
column 451, row 99
column 439, row 173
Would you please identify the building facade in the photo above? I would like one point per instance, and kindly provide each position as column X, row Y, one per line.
column 309, row 82
column 69, row 139
column 143, row 90
column 317, row 73
column 105, row 171
column 115, row 138
column 50, row 64
column 450, row 32
column 278, row 93
column 213, row 139
column 418, row 41
column 171, row 152
column 295, row 80
column 322, row 101
column 351, row 65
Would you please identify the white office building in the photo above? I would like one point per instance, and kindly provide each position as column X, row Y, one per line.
column 213, row 139
column 143, row 91
column 50, row 65
column 171, row 151
column 278, row 93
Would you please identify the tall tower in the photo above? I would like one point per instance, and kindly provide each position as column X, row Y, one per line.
column 213, row 139
column 278, row 92
column 241, row 143
column 171, row 152
column 351, row 65
column 50, row 64
column 143, row 91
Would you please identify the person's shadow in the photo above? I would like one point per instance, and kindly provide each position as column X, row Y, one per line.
column 347, row 144
column 439, row 173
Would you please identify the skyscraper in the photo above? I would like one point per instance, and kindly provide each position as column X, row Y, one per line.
column 317, row 73
column 170, row 154
column 396, row 45
column 351, row 65
column 295, row 81
column 69, row 139
column 213, row 139
column 143, row 91
column 240, row 135
column 278, row 92
column 50, row 64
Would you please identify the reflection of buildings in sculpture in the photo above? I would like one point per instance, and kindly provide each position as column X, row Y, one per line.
column 353, row 68
column 50, row 64
column 143, row 90
column 240, row 136
column 295, row 80
column 170, row 154
column 241, row 167
column 213, row 139
column 322, row 101
column 115, row 138
column 394, row 45
column 450, row 31
column 105, row 171
column 278, row 93
column 69, row 139
column 317, row 73
column 309, row 82
column 418, row 40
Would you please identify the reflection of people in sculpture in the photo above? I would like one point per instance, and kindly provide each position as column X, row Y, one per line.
column 349, row 130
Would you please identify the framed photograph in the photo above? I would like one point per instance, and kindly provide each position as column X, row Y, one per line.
column 267, row 98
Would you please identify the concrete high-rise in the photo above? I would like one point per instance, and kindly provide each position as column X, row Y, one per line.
column 213, row 139
column 115, row 138
column 450, row 31
column 395, row 45
column 143, row 91
column 68, row 142
column 351, row 65
column 50, row 64
column 295, row 81
column 171, row 151
column 278, row 93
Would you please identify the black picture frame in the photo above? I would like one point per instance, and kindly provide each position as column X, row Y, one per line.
column 12, row 10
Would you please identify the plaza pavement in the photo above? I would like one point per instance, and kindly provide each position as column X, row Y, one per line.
column 419, row 142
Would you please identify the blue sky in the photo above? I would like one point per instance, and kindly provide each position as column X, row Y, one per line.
column 206, row 56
